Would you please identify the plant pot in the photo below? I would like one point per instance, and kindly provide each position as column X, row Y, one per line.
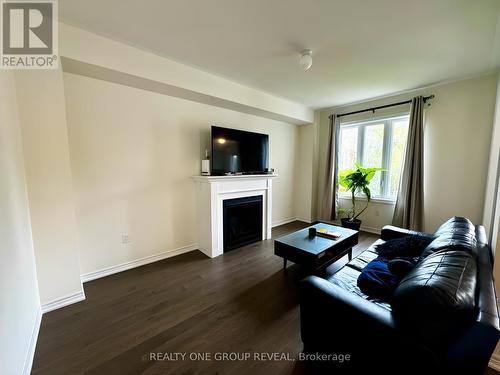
column 351, row 224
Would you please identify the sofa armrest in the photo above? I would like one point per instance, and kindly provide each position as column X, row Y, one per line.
column 390, row 232
column 322, row 303
column 334, row 320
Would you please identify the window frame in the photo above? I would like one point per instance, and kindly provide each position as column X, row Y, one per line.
column 361, row 125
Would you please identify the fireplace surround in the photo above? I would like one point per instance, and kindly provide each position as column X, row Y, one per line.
column 212, row 191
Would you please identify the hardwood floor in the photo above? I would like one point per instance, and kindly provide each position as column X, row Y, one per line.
column 239, row 302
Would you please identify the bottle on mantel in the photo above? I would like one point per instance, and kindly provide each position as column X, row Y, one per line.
column 205, row 165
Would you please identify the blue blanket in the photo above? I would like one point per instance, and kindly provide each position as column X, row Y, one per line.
column 376, row 280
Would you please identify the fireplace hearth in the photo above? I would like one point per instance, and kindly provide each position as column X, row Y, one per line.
column 242, row 219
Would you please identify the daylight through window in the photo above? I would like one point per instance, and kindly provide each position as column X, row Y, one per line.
column 375, row 143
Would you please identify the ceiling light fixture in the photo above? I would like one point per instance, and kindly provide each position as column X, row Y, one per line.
column 306, row 59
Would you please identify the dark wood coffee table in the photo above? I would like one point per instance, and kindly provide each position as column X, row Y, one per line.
column 315, row 253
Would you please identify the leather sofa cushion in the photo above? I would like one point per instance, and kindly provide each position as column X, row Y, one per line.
column 365, row 257
column 437, row 297
column 457, row 233
column 455, row 223
column 362, row 259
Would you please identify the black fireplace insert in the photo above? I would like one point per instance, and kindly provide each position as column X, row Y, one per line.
column 242, row 221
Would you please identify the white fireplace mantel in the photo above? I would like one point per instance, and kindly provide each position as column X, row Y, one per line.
column 211, row 191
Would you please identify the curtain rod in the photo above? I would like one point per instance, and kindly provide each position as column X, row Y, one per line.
column 373, row 109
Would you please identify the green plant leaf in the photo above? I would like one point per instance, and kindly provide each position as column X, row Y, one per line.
column 356, row 181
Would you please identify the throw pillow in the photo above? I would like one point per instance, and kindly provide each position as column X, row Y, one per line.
column 404, row 247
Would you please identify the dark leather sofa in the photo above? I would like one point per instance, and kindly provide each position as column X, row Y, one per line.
column 442, row 318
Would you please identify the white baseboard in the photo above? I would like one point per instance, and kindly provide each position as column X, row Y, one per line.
column 277, row 223
column 304, row 219
column 63, row 301
column 30, row 355
column 495, row 362
column 370, row 230
column 136, row 263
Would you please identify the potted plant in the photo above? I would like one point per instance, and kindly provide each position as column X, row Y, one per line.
column 356, row 181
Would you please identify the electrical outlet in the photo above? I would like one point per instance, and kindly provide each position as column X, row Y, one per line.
column 377, row 213
column 125, row 238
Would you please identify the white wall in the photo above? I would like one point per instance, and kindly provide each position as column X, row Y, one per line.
column 19, row 301
column 489, row 217
column 132, row 154
column 456, row 149
column 493, row 220
column 48, row 174
column 457, row 135
column 304, row 171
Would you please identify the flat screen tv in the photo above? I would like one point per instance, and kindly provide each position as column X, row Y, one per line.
column 237, row 151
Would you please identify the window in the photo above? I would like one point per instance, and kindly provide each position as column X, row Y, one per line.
column 376, row 143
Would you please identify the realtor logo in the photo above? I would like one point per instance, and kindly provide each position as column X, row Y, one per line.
column 29, row 34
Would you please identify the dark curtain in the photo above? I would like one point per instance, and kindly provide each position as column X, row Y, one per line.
column 328, row 204
column 408, row 212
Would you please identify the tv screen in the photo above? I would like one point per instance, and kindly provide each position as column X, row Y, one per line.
column 237, row 151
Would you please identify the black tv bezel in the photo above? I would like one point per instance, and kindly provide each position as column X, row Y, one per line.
column 240, row 131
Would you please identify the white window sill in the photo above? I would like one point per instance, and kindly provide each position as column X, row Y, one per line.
column 373, row 200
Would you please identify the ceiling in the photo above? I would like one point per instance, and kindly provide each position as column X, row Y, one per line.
column 361, row 48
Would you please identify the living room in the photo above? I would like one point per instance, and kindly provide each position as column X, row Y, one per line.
column 117, row 160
